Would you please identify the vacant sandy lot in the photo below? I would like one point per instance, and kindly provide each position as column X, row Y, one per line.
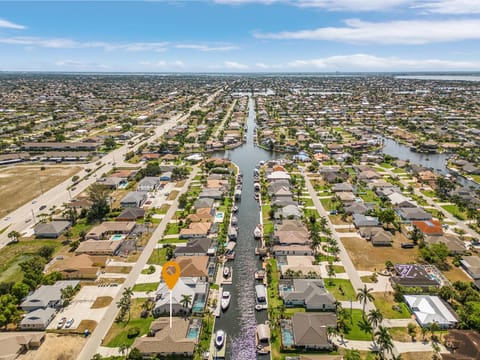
column 21, row 184
column 57, row 347
column 365, row 256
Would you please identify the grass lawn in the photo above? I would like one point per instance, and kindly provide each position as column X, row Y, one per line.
column 401, row 334
column 173, row 195
column 117, row 335
column 311, row 212
column 369, row 196
column 429, row 193
column 398, row 171
column 341, row 289
column 307, row 201
column 372, row 258
column 368, row 279
column 158, row 257
column 101, row 302
column 80, row 227
column 172, row 241
column 386, row 165
column 274, row 300
column 337, row 220
column 338, row 269
column 327, row 204
column 290, row 311
column 16, row 180
column 385, row 302
column 354, row 332
column 172, row 229
column 456, row 274
column 146, row 287
column 12, row 255
column 162, row 210
column 455, row 211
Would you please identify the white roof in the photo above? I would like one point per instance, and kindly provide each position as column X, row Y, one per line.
column 429, row 309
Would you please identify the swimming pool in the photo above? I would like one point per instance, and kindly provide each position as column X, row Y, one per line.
column 199, row 304
column 193, row 332
column 287, row 337
column 286, row 288
column 219, row 216
column 117, row 237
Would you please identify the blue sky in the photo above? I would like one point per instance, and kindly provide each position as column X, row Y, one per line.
column 240, row 35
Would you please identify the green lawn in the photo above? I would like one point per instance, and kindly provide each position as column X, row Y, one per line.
column 172, row 240
column 158, row 257
column 369, row 196
column 398, row 171
column 327, row 204
column 307, row 201
column 386, row 165
column 146, row 287
column 119, row 331
column 338, row 269
column 172, row 229
column 341, row 289
column 354, row 332
column 455, row 211
column 385, row 304
column 429, row 193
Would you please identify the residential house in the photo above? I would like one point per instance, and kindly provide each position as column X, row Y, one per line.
column 194, row 247
column 429, row 309
column 79, row 267
column 453, row 243
column 429, row 227
column 342, row 187
column 202, row 215
column 412, row 214
column 357, row 208
column 133, row 199
column 148, row 183
column 288, row 212
column 471, row 264
column 46, row 296
column 190, row 286
column 310, row 330
column 131, row 214
column 360, row 221
column 110, row 227
column 308, row 293
column 377, row 235
column 211, row 194
column 167, row 341
column 52, row 229
column 196, row 229
column 99, row 247
column 292, row 250
column 193, row 266
column 112, row 182
column 38, row 319
column 14, row 344
column 203, row 203
column 413, row 275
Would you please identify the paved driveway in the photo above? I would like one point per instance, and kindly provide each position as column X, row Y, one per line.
column 80, row 307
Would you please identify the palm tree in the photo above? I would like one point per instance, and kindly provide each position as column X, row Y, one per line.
column 14, row 236
column 412, row 330
column 433, row 328
column 384, row 340
column 424, row 331
column 186, row 301
column 416, row 235
column 366, row 327
column 375, row 317
column 364, row 295
column 352, row 354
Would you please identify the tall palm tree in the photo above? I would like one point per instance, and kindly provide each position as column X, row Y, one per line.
column 375, row 317
column 364, row 295
column 384, row 340
column 127, row 296
column 366, row 327
column 186, row 301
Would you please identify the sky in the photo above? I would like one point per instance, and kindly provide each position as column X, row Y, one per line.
column 240, row 35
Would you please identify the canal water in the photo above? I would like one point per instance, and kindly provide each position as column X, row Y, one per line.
column 240, row 319
column 438, row 162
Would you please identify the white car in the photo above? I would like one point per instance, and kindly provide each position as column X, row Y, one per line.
column 69, row 323
column 61, row 322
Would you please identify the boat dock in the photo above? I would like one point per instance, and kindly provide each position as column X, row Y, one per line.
column 214, row 352
column 221, row 280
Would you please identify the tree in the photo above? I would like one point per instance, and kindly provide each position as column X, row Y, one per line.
column 135, row 354
column 186, row 301
column 364, row 295
column 331, row 272
column 416, row 235
column 9, row 311
column 352, row 354
column 20, row 290
column 109, row 143
column 14, row 236
column 424, row 331
column 98, row 195
column 46, row 252
column 183, row 201
column 389, row 265
column 384, row 341
column 375, row 317
column 387, row 217
column 435, row 254
column 125, row 303
column 412, row 330
column 365, row 326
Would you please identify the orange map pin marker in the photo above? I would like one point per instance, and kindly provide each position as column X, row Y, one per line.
column 171, row 273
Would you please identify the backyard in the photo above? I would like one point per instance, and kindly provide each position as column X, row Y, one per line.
column 389, row 308
column 341, row 289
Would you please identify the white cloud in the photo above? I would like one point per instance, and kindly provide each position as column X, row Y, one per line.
column 394, row 32
column 205, row 47
column 80, row 65
column 10, row 25
column 366, row 62
column 61, row 43
column 451, row 6
column 162, row 64
column 233, row 65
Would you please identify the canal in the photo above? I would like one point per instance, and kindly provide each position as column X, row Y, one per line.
column 240, row 320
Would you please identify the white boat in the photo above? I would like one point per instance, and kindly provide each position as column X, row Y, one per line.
column 226, row 272
column 257, row 233
column 219, row 338
column 260, row 274
column 235, row 209
column 226, row 296
column 234, row 221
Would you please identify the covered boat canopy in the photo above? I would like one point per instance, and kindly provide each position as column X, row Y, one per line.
column 263, row 333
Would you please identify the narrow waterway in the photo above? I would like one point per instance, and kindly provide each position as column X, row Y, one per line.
column 240, row 320
column 438, row 162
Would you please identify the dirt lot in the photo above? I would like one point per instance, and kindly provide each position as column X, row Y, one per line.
column 15, row 180
column 57, row 347
column 367, row 257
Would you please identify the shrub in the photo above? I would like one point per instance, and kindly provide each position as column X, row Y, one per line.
column 133, row 332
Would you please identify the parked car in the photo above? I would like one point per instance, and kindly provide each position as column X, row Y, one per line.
column 69, row 323
column 43, row 207
column 61, row 322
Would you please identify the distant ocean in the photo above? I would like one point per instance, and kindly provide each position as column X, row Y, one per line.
column 441, row 77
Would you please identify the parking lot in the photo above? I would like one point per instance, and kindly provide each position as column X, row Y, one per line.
column 80, row 308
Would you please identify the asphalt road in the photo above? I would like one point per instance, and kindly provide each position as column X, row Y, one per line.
column 61, row 194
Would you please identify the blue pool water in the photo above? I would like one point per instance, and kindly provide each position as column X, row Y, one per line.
column 287, row 337
column 192, row 333
column 219, row 216
column 286, row 288
column 198, row 305
column 116, row 237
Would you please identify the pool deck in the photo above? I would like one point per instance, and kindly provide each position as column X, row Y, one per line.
column 217, row 353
